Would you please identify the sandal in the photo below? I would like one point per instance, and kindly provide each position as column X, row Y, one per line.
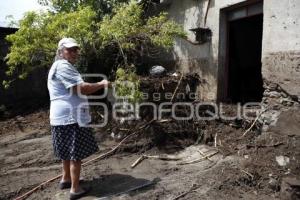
column 67, row 185
column 77, row 195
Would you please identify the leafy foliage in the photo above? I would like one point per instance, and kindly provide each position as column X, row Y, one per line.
column 134, row 35
column 127, row 85
column 101, row 7
column 123, row 29
column 35, row 43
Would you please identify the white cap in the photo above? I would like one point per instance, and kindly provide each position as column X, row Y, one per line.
column 68, row 43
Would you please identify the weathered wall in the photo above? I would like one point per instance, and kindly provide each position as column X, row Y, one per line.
column 203, row 58
column 281, row 44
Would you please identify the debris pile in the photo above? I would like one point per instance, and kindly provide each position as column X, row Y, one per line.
column 268, row 147
column 176, row 127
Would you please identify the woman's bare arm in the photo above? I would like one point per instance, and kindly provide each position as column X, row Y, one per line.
column 86, row 88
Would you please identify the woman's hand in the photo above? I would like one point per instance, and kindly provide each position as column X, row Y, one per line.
column 89, row 88
column 104, row 83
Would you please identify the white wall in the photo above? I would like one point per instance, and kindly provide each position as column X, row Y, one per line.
column 281, row 43
column 281, row 26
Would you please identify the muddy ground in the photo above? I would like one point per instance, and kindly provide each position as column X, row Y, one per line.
column 243, row 168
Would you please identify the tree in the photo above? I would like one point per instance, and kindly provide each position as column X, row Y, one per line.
column 34, row 44
column 101, row 7
column 135, row 36
column 123, row 31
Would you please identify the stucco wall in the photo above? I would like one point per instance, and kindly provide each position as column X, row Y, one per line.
column 281, row 44
column 203, row 58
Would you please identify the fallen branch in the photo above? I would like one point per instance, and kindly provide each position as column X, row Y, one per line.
column 161, row 157
column 252, row 177
column 210, row 166
column 24, row 196
column 27, row 194
column 140, row 159
column 192, row 189
column 204, row 156
column 199, row 159
column 164, row 157
column 216, row 139
column 164, row 120
column 124, row 129
column 116, row 147
column 262, row 146
column 176, row 88
column 254, row 122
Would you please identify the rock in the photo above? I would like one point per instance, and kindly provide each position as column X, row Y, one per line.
column 282, row 160
column 112, row 135
column 290, row 188
column 174, row 74
column 276, row 107
column 274, row 184
column 157, row 70
column 284, row 95
column 274, row 94
column 273, row 86
column 286, row 102
column 116, row 137
column 270, row 117
column 20, row 118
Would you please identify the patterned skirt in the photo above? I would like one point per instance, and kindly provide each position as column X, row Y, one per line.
column 72, row 142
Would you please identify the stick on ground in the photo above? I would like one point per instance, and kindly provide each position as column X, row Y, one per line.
column 27, row 194
column 254, row 122
column 161, row 157
column 199, row 159
column 140, row 159
column 205, row 156
column 192, row 189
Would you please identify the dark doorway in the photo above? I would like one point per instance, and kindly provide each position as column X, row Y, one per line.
column 245, row 82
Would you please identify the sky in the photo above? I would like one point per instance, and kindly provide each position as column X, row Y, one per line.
column 16, row 8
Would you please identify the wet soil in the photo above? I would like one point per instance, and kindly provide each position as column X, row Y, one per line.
column 245, row 167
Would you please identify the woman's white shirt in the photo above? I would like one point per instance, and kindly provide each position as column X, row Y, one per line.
column 66, row 107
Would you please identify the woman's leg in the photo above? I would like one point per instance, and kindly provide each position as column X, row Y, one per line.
column 75, row 167
column 66, row 171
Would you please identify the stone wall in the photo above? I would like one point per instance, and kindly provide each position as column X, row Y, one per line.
column 276, row 100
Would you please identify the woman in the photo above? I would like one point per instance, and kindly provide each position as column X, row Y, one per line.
column 69, row 113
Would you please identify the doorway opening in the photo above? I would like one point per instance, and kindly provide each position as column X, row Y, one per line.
column 245, row 82
column 241, row 32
